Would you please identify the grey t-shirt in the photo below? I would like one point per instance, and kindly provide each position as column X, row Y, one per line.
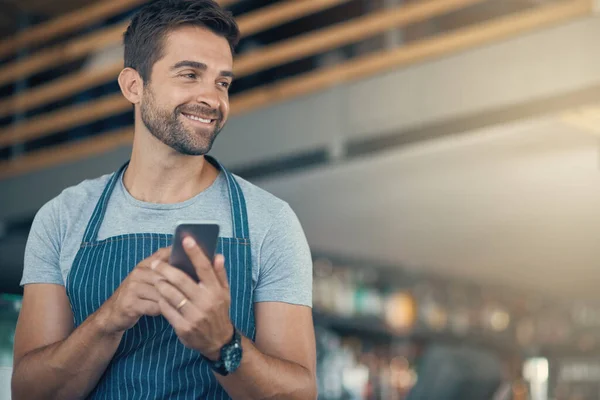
column 281, row 259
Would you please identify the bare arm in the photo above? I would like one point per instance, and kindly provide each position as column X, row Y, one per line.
column 281, row 364
column 51, row 359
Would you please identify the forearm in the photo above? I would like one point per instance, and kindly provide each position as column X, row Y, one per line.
column 68, row 369
column 264, row 377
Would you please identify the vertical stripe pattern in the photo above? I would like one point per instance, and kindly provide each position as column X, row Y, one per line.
column 151, row 362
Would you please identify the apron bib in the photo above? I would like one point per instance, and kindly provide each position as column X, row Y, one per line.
column 151, row 362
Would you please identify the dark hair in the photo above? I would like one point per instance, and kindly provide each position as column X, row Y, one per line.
column 144, row 38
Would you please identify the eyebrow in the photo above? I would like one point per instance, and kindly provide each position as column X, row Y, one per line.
column 199, row 66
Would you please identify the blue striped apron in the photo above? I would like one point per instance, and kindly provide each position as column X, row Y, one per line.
column 151, row 362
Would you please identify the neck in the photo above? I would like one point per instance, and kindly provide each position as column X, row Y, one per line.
column 159, row 174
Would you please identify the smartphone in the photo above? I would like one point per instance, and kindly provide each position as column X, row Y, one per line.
column 206, row 235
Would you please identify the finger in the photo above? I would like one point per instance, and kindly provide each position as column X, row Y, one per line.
column 146, row 275
column 178, row 301
column 176, row 278
column 177, row 320
column 147, row 291
column 170, row 293
column 201, row 263
column 220, row 271
column 146, row 263
column 162, row 254
column 147, row 307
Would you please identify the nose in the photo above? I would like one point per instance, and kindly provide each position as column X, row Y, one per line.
column 208, row 95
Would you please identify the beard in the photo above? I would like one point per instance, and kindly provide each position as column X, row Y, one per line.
column 168, row 127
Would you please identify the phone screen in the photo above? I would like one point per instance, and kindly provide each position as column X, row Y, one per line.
column 206, row 236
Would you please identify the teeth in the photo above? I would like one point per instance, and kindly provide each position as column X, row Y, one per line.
column 206, row 121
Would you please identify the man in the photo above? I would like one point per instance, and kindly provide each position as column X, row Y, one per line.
column 104, row 315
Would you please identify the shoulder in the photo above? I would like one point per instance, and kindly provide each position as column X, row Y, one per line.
column 261, row 203
column 82, row 193
column 72, row 202
column 56, row 226
column 277, row 220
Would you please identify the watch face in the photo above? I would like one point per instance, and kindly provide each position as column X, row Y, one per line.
column 233, row 356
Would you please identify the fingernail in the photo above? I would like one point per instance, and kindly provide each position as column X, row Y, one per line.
column 189, row 242
column 154, row 264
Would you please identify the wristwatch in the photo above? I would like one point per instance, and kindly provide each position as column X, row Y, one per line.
column 231, row 356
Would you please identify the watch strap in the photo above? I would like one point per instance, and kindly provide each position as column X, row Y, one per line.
column 219, row 365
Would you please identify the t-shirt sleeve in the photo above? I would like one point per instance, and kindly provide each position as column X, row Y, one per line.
column 42, row 252
column 285, row 269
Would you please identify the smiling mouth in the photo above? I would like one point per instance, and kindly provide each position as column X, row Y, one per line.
column 195, row 118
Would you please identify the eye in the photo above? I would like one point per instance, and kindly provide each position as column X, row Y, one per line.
column 190, row 75
column 226, row 85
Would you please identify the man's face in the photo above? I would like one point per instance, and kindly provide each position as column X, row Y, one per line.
column 186, row 103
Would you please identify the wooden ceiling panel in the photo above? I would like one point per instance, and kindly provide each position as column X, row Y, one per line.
column 11, row 9
column 49, row 8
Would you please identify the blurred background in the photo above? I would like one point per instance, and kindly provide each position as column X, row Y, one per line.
column 442, row 156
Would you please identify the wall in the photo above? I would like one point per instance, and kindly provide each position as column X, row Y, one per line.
column 541, row 64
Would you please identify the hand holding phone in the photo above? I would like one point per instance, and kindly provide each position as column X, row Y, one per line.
column 206, row 235
column 200, row 318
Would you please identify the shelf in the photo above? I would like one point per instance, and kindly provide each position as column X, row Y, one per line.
column 359, row 325
column 374, row 328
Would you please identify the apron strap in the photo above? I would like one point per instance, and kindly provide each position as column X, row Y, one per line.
column 93, row 227
column 239, row 213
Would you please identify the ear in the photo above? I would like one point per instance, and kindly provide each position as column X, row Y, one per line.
column 131, row 84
